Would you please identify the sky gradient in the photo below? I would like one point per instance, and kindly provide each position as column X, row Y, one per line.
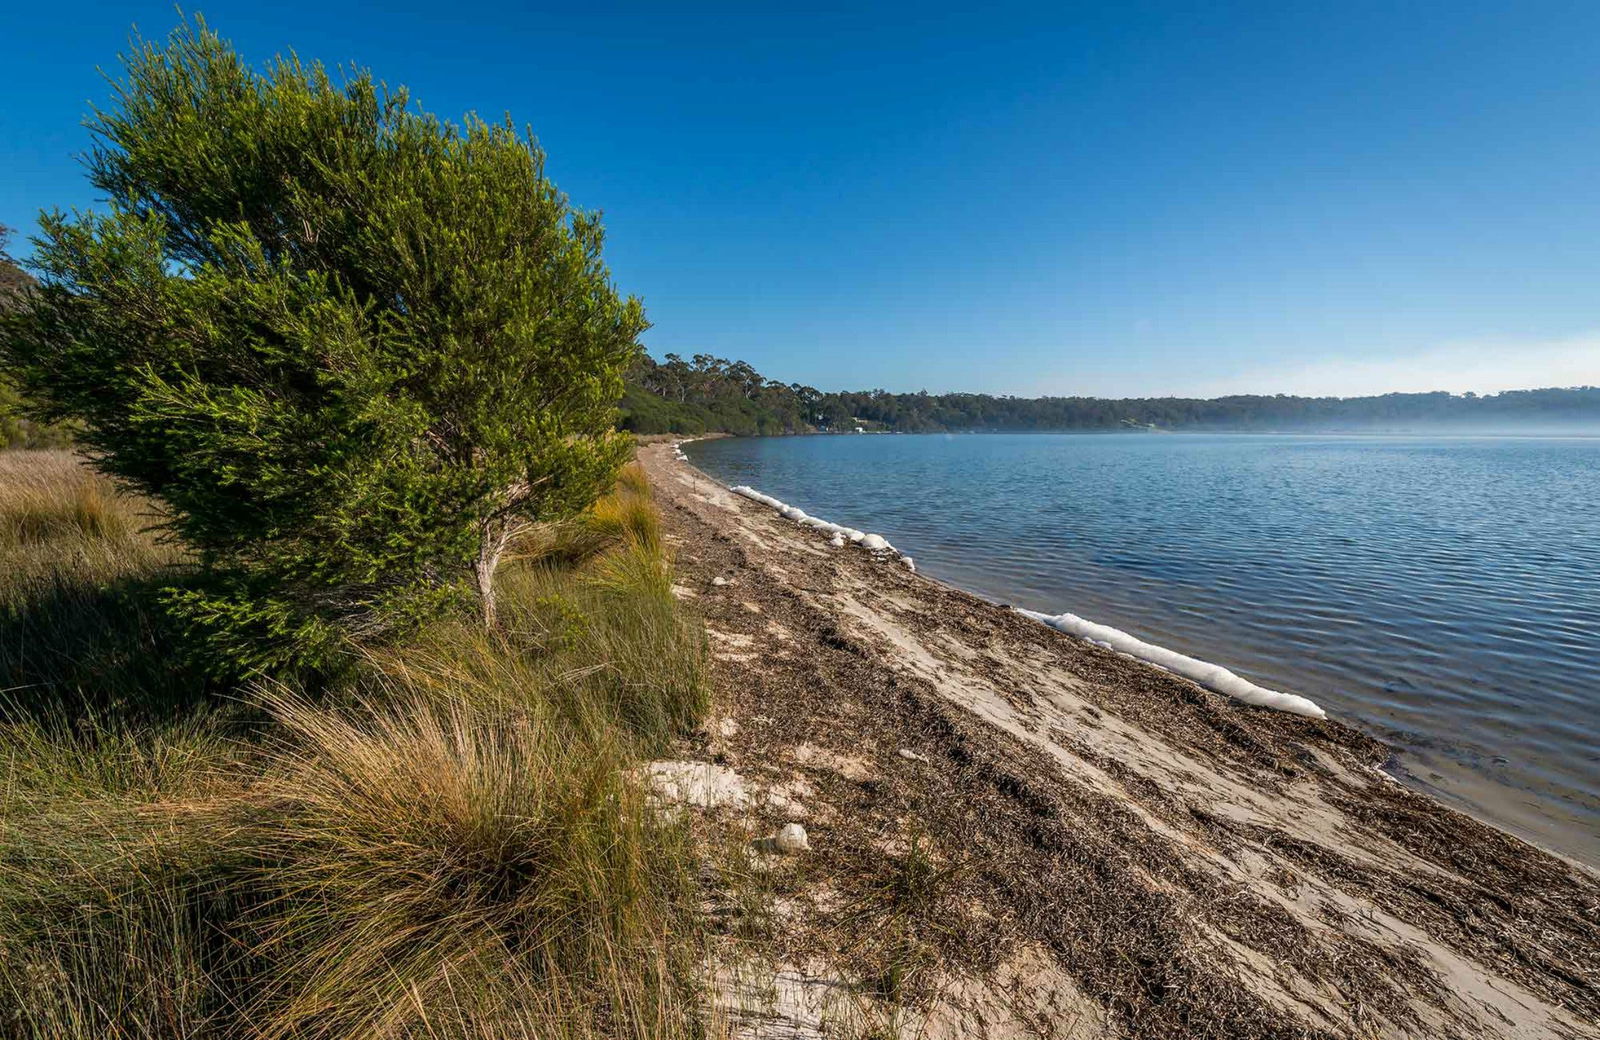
column 1130, row 199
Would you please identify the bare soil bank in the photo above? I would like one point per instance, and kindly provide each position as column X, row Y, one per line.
column 1076, row 844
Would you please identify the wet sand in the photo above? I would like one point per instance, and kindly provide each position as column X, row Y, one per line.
column 1124, row 852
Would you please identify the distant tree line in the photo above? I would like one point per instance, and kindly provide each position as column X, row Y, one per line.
column 17, row 430
column 713, row 395
column 710, row 394
column 707, row 394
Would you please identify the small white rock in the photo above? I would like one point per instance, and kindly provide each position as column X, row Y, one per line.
column 874, row 542
column 719, row 580
column 702, row 784
column 912, row 756
column 728, row 728
column 837, row 541
column 792, row 839
column 910, row 566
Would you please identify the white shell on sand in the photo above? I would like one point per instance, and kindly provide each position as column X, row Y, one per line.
column 792, row 839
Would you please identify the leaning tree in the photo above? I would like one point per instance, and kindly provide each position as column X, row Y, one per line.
column 351, row 348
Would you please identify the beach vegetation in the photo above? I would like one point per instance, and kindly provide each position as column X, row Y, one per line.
column 352, row 351
column 447, row 841
column 332, row 652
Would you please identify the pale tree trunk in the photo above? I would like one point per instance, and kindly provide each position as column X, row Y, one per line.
column 491, row 545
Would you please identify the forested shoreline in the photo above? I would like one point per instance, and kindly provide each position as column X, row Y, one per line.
column 708, row 394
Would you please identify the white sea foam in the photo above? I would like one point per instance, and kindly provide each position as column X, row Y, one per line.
column 1211, row 676
column 871, row 542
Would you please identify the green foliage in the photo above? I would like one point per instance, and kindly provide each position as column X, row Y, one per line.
column 716, row 395
column 449, row 841
column 18, row 429
column 712, row 395
column 352, row 349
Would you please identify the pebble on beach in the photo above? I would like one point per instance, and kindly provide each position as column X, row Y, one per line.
column 792, row 839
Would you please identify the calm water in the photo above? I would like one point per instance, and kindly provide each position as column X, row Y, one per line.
column 1442, row 592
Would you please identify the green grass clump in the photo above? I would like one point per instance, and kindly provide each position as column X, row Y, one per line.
column 447, row 842
column 111, row 878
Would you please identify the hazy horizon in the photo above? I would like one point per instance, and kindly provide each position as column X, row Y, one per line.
column 1421, row 388
column 1188, row 396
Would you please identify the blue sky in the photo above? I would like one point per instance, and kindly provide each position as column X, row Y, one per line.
column 1115, row 199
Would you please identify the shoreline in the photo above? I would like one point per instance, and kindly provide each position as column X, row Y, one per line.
column 1212, row 812
column 1205, row 673
column 1584, row 433
column 1453, row 773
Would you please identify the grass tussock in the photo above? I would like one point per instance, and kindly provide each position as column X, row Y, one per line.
column 625, row 516
column 465, row 859
column 76, row 630
column 112, row 878
column 450, row 843
column 51, row 498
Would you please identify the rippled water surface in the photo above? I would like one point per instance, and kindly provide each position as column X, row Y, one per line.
column 1443, row 592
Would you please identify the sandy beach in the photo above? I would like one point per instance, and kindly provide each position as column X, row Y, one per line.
column 1121, row 852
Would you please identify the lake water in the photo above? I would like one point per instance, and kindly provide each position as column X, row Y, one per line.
column 1443, row 593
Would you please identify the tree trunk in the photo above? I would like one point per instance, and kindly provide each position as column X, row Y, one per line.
column 489, row 550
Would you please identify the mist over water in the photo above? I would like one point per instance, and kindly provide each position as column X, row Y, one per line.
column 1441, row 591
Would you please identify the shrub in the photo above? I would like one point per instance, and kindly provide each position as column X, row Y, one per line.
column 351, row 348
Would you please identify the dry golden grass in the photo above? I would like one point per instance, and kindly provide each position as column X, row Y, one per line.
column 465, row 860
column 53, row 499
column 446, row 844
column 625, row 515
column 77, row 560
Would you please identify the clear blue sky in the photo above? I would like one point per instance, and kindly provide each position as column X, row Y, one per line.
column 1117, row 198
